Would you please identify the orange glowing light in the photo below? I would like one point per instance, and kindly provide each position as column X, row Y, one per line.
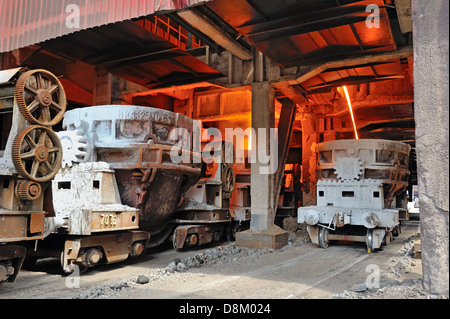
column 351, row 110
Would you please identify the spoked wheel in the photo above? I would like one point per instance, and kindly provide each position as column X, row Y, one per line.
column 323, row 237
column 37, row 153
column 40, row 97
column 228, row 179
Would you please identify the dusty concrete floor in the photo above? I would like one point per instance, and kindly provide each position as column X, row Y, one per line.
column 300, row 270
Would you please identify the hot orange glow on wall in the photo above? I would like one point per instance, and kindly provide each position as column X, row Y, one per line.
column 351, row 110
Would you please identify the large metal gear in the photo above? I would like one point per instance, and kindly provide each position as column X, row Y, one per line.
column 37, row 153
column 349, row 168
column 75, row 147
column 40, row 97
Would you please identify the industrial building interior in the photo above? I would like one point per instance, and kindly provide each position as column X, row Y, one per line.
column 201, row 62
column 208, row 60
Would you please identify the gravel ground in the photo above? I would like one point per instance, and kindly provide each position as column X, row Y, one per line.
column 212, row 260
column 393, row 284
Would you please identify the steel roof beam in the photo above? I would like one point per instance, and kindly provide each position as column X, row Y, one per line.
column 209, row 28
column 309, row 71
column 300, row 29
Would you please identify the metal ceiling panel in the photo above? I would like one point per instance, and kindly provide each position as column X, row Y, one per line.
column 298, row 32
column 132, row 52
column 27, row 22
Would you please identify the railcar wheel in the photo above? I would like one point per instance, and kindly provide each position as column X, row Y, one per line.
column 386, row 239
column 174, row 241
column 370, row 241
column 232, row 229
column 77, row 267
column 323, row 237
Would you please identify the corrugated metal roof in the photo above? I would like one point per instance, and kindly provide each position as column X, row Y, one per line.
column 133, row 52
column 26, row 22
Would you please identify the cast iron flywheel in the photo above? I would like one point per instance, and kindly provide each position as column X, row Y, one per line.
column 40, row 97
column 37, row 153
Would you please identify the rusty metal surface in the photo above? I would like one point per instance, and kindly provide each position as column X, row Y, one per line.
column 22, row 218
column 37, row 153
column 114, row 220
column 297, row 32
column 261, row 240
column 13, row 257
column 27, row 22
column 311, row 33
column 199, row 226
column 156, row 200
column 37, row 224
column 202, row 215
column 21, row 226
column 133, row 52
column 40, row 97
column 11, row 160
column 113, row 247
column 195, row 235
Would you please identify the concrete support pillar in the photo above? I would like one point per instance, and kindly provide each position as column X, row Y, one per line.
column 431, row 109
column 262, row 185
column 310, row 138
column 263, row 232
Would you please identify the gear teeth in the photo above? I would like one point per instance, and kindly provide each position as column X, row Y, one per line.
column 349, row 169
column 22, row 105
column 75, row 146
column 16, row 154
column 28, row 190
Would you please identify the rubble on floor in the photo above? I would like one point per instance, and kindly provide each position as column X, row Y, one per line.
column 392, row 283
column 228, row 253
